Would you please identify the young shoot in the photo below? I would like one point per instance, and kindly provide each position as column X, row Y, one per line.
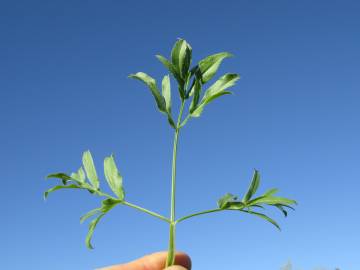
column 194, row 92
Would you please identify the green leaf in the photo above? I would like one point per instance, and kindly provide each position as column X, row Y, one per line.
column 64, row 177
column 253, row 186
column 46, row 193
column 224, row 201
column 108, row 204
column 235, row 205
column 270, row 192
column 171, row 68
column 171, row 121
column 215, row 91
column 225, row 82
column 166, row 92
column 88, row 163
column 186, row 85
column 281, row 208
column 90, row 233
column 79, row 176
column 263, row 217
column 192, row 88
column 229, row 201
column 90, row 214
column 287, row 206
column 196, row 98
column 197, row 112
column 258, row 206
column 151, row 83
column 271, row 200
column 113, row 177
column 181, row 58
column 209, row 65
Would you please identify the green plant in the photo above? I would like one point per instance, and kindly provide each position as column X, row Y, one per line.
column 190, row 84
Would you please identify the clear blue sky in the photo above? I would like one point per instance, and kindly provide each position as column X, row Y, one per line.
column 294, row 116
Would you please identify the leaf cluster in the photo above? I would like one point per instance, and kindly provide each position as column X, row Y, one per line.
column 249, row 202
column 191, row 80
column 86, row 178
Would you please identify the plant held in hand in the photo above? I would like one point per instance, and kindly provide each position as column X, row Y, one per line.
column 191, row 81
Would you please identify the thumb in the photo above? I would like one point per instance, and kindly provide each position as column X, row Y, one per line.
column 155, row 261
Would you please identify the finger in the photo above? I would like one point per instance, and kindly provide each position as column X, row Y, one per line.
column 175, row 267
column 155, row 261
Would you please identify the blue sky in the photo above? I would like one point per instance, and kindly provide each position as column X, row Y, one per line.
column 294, row 116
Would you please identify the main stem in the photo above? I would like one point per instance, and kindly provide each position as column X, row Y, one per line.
column 171, row 250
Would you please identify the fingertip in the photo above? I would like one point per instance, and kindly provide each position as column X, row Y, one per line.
column 158, row 259
column 183, row 260
column 176, row 267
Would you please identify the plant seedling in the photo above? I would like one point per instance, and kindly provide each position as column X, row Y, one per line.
column 191, row 81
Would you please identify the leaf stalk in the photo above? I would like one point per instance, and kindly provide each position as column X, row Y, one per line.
column 146, row 211
column 198, row 214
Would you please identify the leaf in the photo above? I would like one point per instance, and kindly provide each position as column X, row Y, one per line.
column 263, row 217
column 281, row 208
column 195, row 100
column 64, row 177
column 192, row 88
column 88, row 163
column 216, row 90
column 90, row 233
column 181, row 58
column 225, row 82
column 90, row 214
column 229, row 201
column 271, row 200
column 113, row 177
column 270, row 192
column 186, row 85
column 235, row 205
column 209, row 65
column 197, row 112
column 253, row 186
column 171, row 121
column 79, row 176
column 287, row 206
column 151, row 83
column 258, row 206
column 108, row 204
column 171, row 68
column 166, row 92
column 46, row 193
column 223, row 202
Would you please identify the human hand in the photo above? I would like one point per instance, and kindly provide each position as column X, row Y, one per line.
column 155, row 261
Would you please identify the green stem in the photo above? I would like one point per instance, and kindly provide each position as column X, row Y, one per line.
column 199, row 213
column 100, row 193
column 170, row 260
column 185, row 120
column 171, row 250
column 146, row 211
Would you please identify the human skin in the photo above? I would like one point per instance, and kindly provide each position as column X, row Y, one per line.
column 155, row 261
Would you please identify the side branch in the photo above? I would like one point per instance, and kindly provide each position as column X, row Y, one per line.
column 146, row 211
column 199, row 213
